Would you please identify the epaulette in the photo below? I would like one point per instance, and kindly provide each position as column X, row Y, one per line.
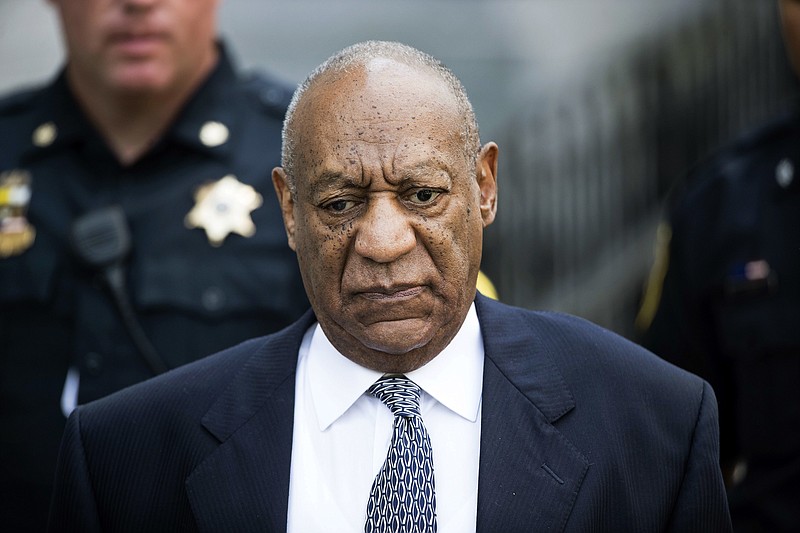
column 765, row 134
column 272, row 93
column 18, row 101
column 724, row 160
column 17, row 111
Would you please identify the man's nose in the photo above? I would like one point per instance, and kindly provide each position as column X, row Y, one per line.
column 385, row 232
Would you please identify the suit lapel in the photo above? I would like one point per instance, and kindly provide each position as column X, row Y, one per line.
column 244, row 484
column 529, row 473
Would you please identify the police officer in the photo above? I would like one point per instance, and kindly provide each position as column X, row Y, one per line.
column 138, row 226
column 724, row 302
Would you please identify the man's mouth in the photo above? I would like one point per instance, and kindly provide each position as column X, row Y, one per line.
column 391, row 293
column 137, row 43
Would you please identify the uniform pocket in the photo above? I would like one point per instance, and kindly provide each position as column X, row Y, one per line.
column 220, row 282
column 30, row 276
column 760, row 338
column 750, row 328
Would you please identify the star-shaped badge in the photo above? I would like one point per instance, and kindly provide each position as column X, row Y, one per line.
column 223, row 207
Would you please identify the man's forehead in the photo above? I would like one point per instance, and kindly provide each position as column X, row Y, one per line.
column 432, row 171
column 382, row 112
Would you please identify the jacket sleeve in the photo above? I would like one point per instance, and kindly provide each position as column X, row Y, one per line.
column 702, row 504
column 73, row 507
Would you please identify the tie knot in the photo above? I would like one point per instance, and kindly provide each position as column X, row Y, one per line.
column 399, row 393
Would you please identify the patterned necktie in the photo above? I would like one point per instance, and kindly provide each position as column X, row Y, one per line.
column 402, row 499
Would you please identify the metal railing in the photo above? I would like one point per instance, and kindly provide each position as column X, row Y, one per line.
column 586, row 168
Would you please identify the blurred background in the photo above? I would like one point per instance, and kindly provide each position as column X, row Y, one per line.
column 598, row 106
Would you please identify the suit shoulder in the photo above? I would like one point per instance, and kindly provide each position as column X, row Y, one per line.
column 580, row 347
column 545, row 328
column 564, row 328
column 559, row 327
column 605, row 368
column 596, row 366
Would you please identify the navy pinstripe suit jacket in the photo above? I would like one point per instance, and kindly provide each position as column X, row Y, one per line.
column 581, row 431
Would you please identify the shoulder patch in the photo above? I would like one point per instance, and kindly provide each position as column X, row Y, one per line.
column 655, row 281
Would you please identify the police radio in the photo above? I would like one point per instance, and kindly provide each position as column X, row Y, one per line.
column 102, row 240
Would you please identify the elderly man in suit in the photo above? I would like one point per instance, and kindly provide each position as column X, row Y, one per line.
column 402, row 401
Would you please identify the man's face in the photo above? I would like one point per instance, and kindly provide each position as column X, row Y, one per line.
column 138, row 45
column 389, row 211
column 790, row 19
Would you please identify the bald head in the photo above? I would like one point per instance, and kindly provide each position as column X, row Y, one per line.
column 369, row 56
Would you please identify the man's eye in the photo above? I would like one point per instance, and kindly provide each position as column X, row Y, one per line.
column 423, row 196
column 339, row 206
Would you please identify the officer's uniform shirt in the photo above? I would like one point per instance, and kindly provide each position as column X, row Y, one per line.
column 195, row 284
column 729, row 309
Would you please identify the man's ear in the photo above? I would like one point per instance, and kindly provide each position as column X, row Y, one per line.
column 486, row 171
column 286, row 201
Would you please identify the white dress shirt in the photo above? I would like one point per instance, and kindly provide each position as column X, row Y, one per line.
column 342, row 433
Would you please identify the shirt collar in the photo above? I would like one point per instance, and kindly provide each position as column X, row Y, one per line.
column 211, row 102
column 57, row 106
column 454, row 378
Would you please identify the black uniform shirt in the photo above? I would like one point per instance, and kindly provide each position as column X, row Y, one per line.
column 190, row 297
column 730, row 311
